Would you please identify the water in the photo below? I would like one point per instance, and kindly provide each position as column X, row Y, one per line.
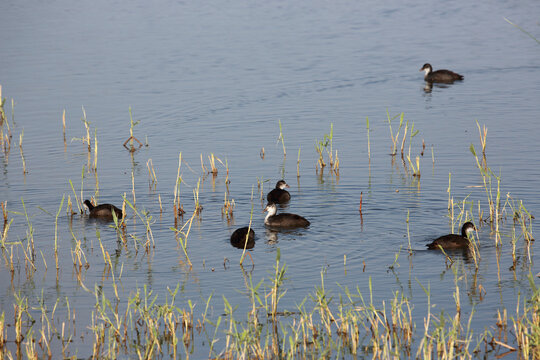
column 215, row 78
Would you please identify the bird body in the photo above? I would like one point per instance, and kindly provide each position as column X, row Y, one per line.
column 240, row 238
column 279, row 195
column 453, row 241
column 439, row 76
column 284, row 220
column 103, row 210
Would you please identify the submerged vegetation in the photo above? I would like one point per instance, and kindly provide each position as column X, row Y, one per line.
column 137, row 322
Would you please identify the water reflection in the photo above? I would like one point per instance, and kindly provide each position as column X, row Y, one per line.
column 428, row 87
column 453, row 255
column 271, row 236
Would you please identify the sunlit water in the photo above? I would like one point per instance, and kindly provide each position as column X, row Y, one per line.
column 216, row 78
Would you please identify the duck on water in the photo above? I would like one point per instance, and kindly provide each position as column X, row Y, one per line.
column 241, row 239
column 103, row 211
column 279, row 195
column 439, row 76
column 453, row 241
column 284, row 220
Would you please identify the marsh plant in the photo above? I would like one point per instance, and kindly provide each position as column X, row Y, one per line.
column 282, row 139
column 395, row 137
column 5, row 135
column 326, row 146
column 327, row 321
column 132, row 139
column 323, row 324
column 86, row 138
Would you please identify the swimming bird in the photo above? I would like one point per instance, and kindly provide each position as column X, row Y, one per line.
column 439, row 76
column 453, row 241
column 240, row 237
column 285, row 220
column 103, row 211
column 279, row 195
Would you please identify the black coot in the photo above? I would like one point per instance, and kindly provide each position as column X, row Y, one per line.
column 279, row 195
column 439, row 76
column 239, row 236
column 284, row 220
column 453, row 241
column 103, row 211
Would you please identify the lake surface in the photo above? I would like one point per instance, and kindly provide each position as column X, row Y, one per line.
column 216, row 78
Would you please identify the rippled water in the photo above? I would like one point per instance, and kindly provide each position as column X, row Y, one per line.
column 216, row 77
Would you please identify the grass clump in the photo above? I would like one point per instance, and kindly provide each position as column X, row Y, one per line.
column 326, row 146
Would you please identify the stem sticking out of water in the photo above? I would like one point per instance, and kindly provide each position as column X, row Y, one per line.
column 64, row 127
column 249, row 230
column 132, row 138
column 298, row 164
column 392, row 136
column 282, row 139
column 178, row 209
column 152, row 179
column 21, row 135
column 368, row 142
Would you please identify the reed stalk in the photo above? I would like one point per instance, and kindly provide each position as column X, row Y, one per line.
column 198, row 207
column 182, row 236
column 178, row 209
column 449, row 189
column 56, row 232
column 404, row 136
column 64, row 126
column 2, row 112
column 204, row 169
column 249, row 229
column 152, row 179
column 21, row 135
column 95, row 151
column 298, row 164
column 131, row 139
column 12, row 111
column 493, row 201
column 368, row 141
column 228, row 207
column 522, row 30
column 326, row 145
column 212, row 160
column 415, row 170
column 82, row 187
column 133, row 187
column 320, row 161
column 395, row 138
column 282, row 139
column 146, row 219
column 3, row 204
column 227, row 181
column 483, row 134
column 87, row 127
column 412, row 134
column 29, row 234
column 5, row 230
column 408, row 232
column 277, row 281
